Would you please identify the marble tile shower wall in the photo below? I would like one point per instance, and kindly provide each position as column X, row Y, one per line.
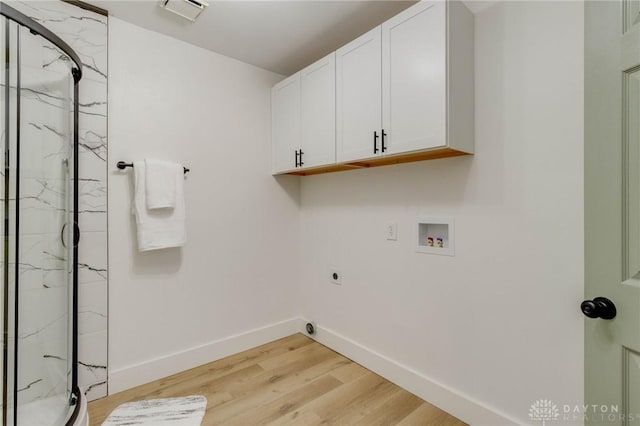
column 86, row 33
column 45, row 100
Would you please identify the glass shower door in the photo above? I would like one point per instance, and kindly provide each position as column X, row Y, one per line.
column 39, row 247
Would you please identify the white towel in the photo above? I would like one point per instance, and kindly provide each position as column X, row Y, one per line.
column 161, row 183
column 158, row 228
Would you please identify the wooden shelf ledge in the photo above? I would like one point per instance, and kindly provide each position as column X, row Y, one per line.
column 384, row 161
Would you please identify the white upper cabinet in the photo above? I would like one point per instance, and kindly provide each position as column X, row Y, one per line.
column 402, row 92
column 285, row 124
column 303, row 109
column 358, row 98
column 318, row 113
column 414, row 79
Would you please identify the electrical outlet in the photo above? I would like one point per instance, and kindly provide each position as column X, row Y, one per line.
column 335, row 276
column 391, row 231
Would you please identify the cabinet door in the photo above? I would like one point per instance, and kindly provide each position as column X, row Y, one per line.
column 358, row 96
column 414, row 94
column 285, row 124
column 318, row 111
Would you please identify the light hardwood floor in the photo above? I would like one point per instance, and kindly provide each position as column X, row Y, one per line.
column 292, row 381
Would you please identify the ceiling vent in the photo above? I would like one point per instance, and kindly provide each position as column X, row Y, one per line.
column 188, row 9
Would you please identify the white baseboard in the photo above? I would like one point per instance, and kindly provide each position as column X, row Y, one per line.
column 447, row 399
column 157, row 368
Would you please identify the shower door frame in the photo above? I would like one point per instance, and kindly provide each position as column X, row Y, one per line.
column 76, row 72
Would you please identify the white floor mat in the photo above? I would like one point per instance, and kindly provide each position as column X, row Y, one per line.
column 183, row 411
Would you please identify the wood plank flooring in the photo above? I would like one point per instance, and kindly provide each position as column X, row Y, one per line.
column 291, row 381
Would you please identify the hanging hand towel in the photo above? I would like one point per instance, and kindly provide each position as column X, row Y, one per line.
column 158, row 228
column 161, row 183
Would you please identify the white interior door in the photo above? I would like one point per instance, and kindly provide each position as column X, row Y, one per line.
column 318, row 111
column 359, row 98
column 612, row 212
column 285, row 130
column 414, row 67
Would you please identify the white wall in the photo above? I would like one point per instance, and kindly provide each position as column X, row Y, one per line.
column 173, row 309
column 499, row 322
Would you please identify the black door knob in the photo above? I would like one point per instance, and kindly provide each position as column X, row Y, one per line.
column 600, row 307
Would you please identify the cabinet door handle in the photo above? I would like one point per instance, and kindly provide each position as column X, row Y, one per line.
column 384, row 147
column 301, row 163
column 375, row 142
column 296, row 158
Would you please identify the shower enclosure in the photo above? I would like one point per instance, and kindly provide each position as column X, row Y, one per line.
column 39, row 204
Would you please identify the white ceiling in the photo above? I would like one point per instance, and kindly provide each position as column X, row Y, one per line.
column 280, row 36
